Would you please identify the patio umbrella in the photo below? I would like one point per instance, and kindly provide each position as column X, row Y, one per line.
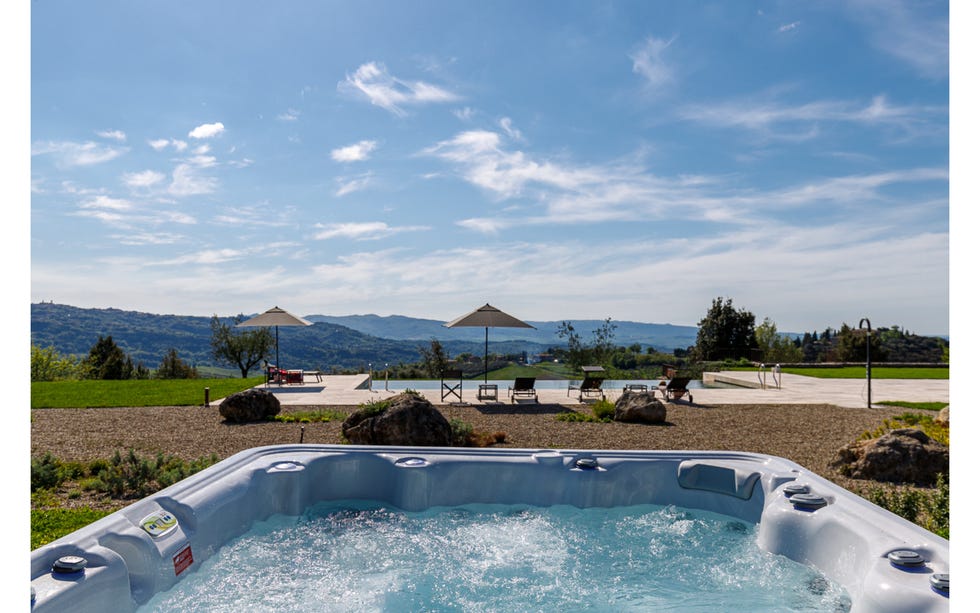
column 274, row 317
column 486, row 317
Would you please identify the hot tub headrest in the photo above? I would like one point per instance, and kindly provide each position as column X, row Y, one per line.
column 719, row 478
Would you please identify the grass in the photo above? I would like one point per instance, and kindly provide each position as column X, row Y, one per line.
column 904, row 404
column 51, row 524
column 513, row 371
column 858, row 372
column 133, row 393
column 306, row 417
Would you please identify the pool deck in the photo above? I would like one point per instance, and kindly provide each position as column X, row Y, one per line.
column 793, row 389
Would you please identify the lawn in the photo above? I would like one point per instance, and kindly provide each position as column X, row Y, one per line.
column 133, row 393
column 858, row 372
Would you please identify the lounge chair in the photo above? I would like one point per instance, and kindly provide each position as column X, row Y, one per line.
column 452, row 384
column 591, row 384
column 676, row 389
column 591, row 387
column 523, row 388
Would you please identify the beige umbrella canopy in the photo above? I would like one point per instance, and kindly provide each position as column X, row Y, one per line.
column 487, row 317
column 274, row 317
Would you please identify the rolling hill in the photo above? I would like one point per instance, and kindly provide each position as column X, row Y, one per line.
column 342, row 342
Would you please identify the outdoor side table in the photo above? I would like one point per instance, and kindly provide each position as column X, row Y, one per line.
column 487, row 392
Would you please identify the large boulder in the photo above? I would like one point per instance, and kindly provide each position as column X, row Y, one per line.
column 640, row 407
column 406, row 419
column 250, row 405
column 907, row 455
column 942, row 418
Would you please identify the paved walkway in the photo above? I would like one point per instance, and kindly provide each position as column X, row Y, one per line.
column 793, row 389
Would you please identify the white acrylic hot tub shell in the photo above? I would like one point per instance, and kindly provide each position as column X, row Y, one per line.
column 848, row 540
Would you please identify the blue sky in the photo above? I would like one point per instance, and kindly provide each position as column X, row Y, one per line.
column 560, row 160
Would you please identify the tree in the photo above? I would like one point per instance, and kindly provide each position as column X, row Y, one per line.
column 172, row 367
column 725, row 333
column 49, row 365
column 602, row 342
column 244, row 348
column 576, row 355
column 434, row 359
column 106, row 361
column 775, row 347
column 853, row 345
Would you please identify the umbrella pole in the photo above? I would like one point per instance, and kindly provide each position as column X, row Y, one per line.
column 486, row 345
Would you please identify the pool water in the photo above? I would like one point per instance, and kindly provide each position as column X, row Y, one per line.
column 363, row 556
column 540, row 384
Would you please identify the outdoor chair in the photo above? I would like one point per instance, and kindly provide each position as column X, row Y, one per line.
column 452, row 384
column 591, row 387
column 591, row 373
column 676, row 389
column 523, row 388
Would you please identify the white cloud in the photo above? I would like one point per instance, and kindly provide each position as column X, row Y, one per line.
column 207, row 130
column 162, row 143
column 349, row 185
column 764, row 115
column 372, row 81
column 903, row 30
column 789, row 26
column 508, row 126
column 117, row 135
column 107, row 203
column 71, row 153
column 148, row 238
column 289, row 115
column 464, row 114
column 648, row 61
column 145, row 178
column 370, row 230
column 205, row 257
column 358, row 152
column 186, row 182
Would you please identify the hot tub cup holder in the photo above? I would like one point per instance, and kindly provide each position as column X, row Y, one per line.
column 286, row 466
column 587, row 463
column 940, row 583
column 411, row 462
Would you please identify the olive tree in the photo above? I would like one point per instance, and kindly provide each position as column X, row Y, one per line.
column 241, row 348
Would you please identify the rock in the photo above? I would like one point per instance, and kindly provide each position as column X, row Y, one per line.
column 942, row 418
column 408, row 419
column 250, row 405
column 640, row 407
column 907, row 455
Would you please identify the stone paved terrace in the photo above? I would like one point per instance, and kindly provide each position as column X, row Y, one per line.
column 794, row 389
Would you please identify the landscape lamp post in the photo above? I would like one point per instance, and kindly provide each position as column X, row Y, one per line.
column 867, row 354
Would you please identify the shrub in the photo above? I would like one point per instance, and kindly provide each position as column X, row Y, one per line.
column 461, row 432
column 604, row 410
column 927, row 508
column 45, row 473
column 923, row 422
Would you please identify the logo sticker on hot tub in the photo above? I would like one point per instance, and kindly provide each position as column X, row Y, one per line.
column 158, row 523
column 183, row 559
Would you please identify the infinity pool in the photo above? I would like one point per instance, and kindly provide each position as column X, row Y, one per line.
column 401, row 385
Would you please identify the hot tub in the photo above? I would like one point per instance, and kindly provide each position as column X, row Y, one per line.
column 121, row 561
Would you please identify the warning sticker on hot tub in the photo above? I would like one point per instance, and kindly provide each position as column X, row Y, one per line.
column 183, row 559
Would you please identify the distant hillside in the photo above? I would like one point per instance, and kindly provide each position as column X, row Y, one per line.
column 343, row 342
column 664, row 337
column 147, row 338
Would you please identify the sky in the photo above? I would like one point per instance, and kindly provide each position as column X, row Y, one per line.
column 559, row 160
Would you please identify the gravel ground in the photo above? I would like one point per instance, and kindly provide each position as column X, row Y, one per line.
column 809, row 435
